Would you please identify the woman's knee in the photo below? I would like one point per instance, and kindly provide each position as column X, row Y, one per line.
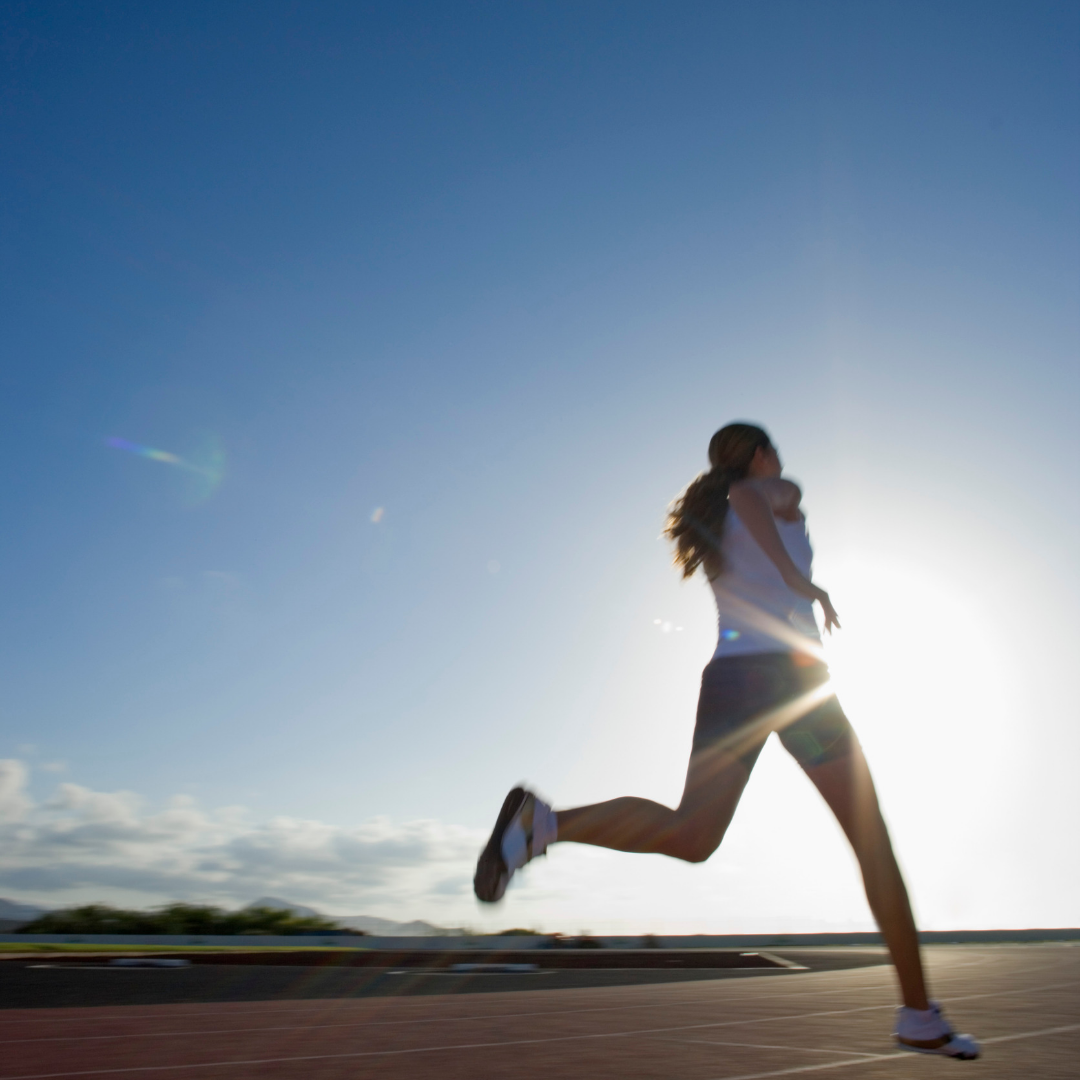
column 698, row 854
column 692, row 848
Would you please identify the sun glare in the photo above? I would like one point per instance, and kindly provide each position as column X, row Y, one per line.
column 924, row 681
column 915, row 653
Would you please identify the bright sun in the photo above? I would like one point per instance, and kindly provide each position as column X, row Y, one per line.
column 922, row 679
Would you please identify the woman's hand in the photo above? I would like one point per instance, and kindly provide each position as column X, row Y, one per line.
column 831, row 618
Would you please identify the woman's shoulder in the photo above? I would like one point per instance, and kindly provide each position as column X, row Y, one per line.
column 783, row 497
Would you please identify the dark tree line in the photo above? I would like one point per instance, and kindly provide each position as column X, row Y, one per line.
column 178, row 919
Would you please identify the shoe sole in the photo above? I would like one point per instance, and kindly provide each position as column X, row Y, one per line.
column 939, row 1051
column 491, row 867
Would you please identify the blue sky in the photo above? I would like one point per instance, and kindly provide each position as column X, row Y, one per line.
column 500, row 271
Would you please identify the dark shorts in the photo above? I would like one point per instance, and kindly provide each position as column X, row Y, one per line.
column 745, row 698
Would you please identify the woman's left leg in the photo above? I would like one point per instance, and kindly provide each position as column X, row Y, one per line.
column 846, row 785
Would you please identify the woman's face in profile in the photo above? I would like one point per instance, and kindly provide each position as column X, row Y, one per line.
column 766, row 463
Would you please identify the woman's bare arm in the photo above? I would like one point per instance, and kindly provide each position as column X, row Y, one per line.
column 783, row 496
column 756, row 502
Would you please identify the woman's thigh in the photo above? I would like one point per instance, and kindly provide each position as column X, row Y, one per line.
column 715, row 781
column 737, row 694
column 847, row 787
column 820, row 736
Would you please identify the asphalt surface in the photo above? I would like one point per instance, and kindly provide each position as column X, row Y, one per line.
column 1022, row 1002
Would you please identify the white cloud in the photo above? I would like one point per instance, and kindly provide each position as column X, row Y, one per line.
column 13, row 800
column 783, row 867
column 81, row 845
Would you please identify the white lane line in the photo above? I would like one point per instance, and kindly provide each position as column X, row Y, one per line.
column 1032, row 1034
column 818, row 1068
column 338, row 1003
column 679, row 1003
column 891, row 1057
column 772, row 1046
column 862, row 1059
column 575, row 1012
column 1012, row 992
column 430, row 1049
column 719, row 985
column 452, row 1046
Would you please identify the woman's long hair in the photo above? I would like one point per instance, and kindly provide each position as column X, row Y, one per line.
column 695, row 519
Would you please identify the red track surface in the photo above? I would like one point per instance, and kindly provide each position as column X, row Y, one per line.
column 1023, row 1002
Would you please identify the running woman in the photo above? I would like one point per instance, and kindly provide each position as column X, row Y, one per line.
column 741, row 523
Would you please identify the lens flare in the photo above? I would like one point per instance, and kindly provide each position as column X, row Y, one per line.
column 150, row 453
column 733, row 745
column 206, row 469
column 782, row 631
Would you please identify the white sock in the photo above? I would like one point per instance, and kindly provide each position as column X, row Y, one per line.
column 515, row 846
column 545, row 826
column 515, row 851
column 922, row 1025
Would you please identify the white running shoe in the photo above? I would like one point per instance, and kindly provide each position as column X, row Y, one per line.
column 915, row 1026
column 524, row 828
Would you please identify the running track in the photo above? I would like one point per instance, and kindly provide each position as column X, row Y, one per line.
column 1022, row 1001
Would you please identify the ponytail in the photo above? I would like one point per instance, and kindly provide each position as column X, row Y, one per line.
column 695, row 521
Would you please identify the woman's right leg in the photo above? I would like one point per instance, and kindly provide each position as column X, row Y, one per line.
column 692, row 831
column 728, row 734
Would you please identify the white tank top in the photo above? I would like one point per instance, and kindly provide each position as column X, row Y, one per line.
column 758, row 612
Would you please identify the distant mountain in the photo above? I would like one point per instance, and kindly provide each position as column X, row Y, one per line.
column 387, row 928
column 13, row 915
column 370, row 924
column 9, row 909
